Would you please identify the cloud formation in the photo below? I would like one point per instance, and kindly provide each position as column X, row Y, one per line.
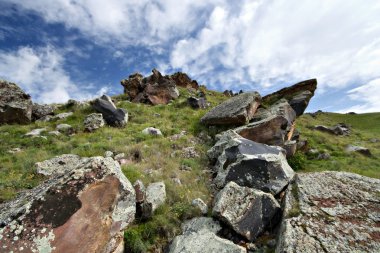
column 367, row 95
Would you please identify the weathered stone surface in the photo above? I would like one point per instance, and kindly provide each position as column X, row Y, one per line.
column 197, row 103
column 152, row 131
column 39, row 111
column 331, row 212
column 154, row 89
column 201, row 205
column 156, row 195
column 60, row 116
column 35, row 132
column 111, row 115
column 140, row 191
column 65, row 129
column 183, row 80
column 249, row 164
column 298, row 95
column 85, row 210
column 15, row 104
column 93, row 121
column 59, row 165
column 358, row 149
column 235, row 111
column 339, row 129
column 199, row 236
column 247, row 211
column 272, row 126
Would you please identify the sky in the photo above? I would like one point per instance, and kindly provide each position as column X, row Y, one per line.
column 62, row 49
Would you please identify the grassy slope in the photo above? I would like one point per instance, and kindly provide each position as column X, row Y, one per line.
column 17, row 171
column 363, row 128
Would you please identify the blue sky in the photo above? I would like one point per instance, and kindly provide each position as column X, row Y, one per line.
column 63, row 49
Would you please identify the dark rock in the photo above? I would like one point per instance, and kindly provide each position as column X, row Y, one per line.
column 154, row 89
column 357, row 149
column 247, row 211
column 112, row 115
column 249, row 164
column 235, row 111
column 15, row 105
column 197, row 103
column 199, row 235
column 39, row 111
column 297, row 95
column 228, row 93
column 339, row 129
column 85, row 210
column 273, row 126
column 331, row 212
column 290, row 148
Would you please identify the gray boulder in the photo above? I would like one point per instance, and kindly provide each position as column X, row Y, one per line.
column 93, row 121
column 65, row 129
column 59, row 165
column 331, row 212
column 272, row 126
column 15, row 105
column 94, row 197
column 298, row 95
column 358, row 149
column 237, row 110
column 39, row 111
column 156, row 194
column 152, row 131
column 112, row 116
column 201, row 205
column 199, row 235
column 250, row 164
column 197, row 103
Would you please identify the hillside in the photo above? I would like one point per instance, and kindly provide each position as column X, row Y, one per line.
column 178, row 157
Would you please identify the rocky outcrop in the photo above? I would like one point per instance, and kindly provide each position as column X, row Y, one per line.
column 59, row 165
column 154, row 89
column 331, row 212
column 237, row 110
column 273, row 126
column 93, row 121
column 15, row 105
column 40, row 111
column 199, row 235
column 183, row 80
column 113, row 116
column 250, row 164
column 247, row 211
column 85, row 210
column 339, row 129
column 297, row 95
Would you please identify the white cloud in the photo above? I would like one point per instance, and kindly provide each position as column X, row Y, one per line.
column 368, row 97
column 40, row 73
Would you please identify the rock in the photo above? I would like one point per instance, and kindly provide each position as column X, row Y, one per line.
column 273, row 126
column 250, row 164
column 197, row 103
column 59, row 165
column 39, row 111
column 152, row 131
column 108, row 154
column 86, row 210
column 331, row 212
column 176, row 137
column 55, row 133
column 247, row 211
column 228, row 93
column 155, row 195
column 35, row 132
column 65, row 129
column 374, row 140
column 199, row 235
column 189, row 152
column 339, row 129
column 119, row 156
column 323, row 156
column 200, row 205
column 112, row 116
column 234, row 111
column 140, row 191
column 183, row 80
column 155, row 89
column 185, row 167
column 93, row 121
column 15, row 104
column 63, row 115
column 357, row 149
column 297, row 95
column 14, row 150
column 290, row 148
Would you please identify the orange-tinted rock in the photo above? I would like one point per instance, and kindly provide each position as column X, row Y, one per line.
column 183, row 80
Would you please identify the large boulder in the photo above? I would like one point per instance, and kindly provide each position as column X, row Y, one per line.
column 331, row 212
column 15, row 105
column 154, row 89
column 40, row 111
column 113, row 116
column 85, row 210
column 183, row 80
column 250, row 164
column 272, row 126
column 237, row 110
column 247, row 211
column 199, row 235
column 297, row 95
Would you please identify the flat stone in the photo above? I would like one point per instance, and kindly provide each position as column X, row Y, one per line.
column 35, row 132
column 358, row 149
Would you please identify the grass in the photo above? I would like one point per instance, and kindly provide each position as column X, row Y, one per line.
column 155, row 158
